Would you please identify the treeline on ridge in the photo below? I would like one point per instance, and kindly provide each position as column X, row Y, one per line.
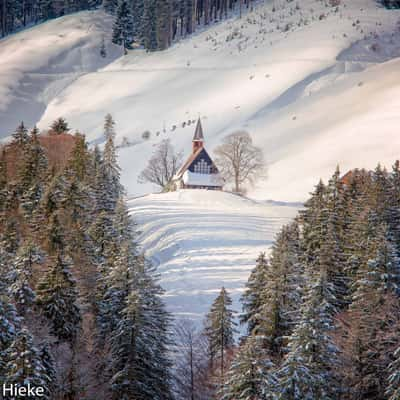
column 17, row 14
column 156, row 23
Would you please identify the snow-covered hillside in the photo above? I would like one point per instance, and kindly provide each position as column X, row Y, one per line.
column 39, row 63
column 315, row 85
column 203, row 240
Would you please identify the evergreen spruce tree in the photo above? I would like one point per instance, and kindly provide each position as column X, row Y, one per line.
column 137, row 14
column 47, row 9
column 116, row 286
column 112, row 170
column 49, row 366
column 250, row 376
column 32, row 174
column 309, row 370
column 60, row 126
column 22, row 269
column 20, row 136
column 80, row 158
column 149, row 28
column 3, row 170
column 55, row 234
column 103, row 50
column 394, row 204
column 332, row 251
column 4, row 190
column 372, row 314
column 393, row 389
column 10, row 239
column 139, row 336
column 251, row 299
column 56, row 295
column 220, row 329
column 274, row 298
column 54, row 196
column 163, row 23
column 24, row 366
column 9, row 326
column 110, row 6
column 123, row 27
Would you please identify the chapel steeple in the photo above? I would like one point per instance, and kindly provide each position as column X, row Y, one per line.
column 198, row 138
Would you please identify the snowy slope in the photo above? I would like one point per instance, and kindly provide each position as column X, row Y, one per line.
column 203, row 240
column 314, row 86
column 38, row 63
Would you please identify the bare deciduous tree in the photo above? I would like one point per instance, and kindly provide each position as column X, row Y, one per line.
column 238, row 160
column 162, row 166
column 192, row 378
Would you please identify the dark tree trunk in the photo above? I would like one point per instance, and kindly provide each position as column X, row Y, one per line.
column 4, row 18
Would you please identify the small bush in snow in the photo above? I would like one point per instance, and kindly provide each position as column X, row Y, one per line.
column 146, row 135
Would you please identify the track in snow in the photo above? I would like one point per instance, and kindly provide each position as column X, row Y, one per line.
column 203, row 240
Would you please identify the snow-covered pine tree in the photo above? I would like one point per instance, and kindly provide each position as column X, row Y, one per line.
column 137, row 15
column 54, row 196
column 20, row 136
column 110, row 6
column 9, row 326
column 79, row 161
column 275, row 298
column 149, row 28
column 4, row 189
column 331, row 252
column 115, row 287
column 251, row 374
column 59, row 126
column 393, row 389
column 56, row 295
column 251, row 299
column 102, row 235
column 309, row 371
column 3, row 170
column 103, row 49
column 164, row 23
column 123, row 30
column 373, row 315
column 47, row 9
column 220, row 329
column 24, row 365
column 10, row 237
column 139, row 335
column 110, row 164
column 22, row 269
column 313, row 218
column 379, row 195
column 394, row 204
column 55, row 234
column 49, row 366
column 32, row 174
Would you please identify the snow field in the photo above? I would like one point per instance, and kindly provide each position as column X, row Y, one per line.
column 203, row 240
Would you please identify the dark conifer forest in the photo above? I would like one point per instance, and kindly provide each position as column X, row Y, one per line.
column 323, row 312
column 18, row 14
column 80, row 307
column 156, row 23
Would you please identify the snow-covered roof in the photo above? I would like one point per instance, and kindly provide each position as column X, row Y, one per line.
column 194, row 179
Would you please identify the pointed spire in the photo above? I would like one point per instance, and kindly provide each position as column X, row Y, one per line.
column 198, row 134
